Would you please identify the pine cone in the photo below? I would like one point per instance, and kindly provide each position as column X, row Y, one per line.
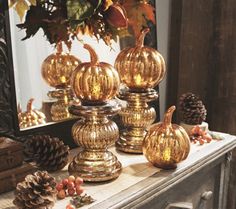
column 192, row 110
column 49, row 153
column 37, row 191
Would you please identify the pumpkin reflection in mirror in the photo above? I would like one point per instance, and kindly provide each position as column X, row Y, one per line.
column 166, row 144
column 140, row 67
column 58, row 67
column 95, row 82
column 31, row 117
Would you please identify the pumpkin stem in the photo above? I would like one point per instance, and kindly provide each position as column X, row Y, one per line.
column 59, row 47
column 140, row 39
column 93, row 54
column 30, row 105
column 168, row 116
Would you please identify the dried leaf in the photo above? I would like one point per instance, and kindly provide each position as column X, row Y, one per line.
column 21, row 7
column 32, row 2
column 139, row 13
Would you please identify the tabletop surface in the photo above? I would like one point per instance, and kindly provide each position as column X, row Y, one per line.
column 138, row 176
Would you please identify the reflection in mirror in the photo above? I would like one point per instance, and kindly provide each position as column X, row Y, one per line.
column 36, row 97
column 43, row 98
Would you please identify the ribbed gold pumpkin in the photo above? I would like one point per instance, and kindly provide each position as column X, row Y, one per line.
column 57, row 68
column 166, row 144
column 95, row 82
column 140, row 67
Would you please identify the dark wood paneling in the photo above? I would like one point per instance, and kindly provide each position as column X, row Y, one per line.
column 202, row 54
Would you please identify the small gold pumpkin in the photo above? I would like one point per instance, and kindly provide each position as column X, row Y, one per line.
column 140, row 67
column 57, row 68
column 95, row 82
column 166, row 144
column 31, row 117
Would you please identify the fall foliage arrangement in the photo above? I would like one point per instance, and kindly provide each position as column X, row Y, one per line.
column 65, row 20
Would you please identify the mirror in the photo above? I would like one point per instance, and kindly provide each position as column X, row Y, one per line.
column 31, row 90
column 28, row 57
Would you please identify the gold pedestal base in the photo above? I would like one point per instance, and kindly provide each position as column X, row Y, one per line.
column 95, row 166
column 60, row 109
column 95, row 133
column 136, row 117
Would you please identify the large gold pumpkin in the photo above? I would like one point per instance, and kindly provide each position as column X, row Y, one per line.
column 140, row 67
column 95, row 82
column 57, row 68
column 166, row 144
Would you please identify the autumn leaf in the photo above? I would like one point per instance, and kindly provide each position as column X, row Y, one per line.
column 139, row 13
column 21, row 6
column 32, row 2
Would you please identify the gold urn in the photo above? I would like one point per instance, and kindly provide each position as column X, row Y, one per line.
column 95, row 83
column 56, row 70
column 140, row 67
column 166, row 144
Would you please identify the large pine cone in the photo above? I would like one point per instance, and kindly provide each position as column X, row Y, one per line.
column 37, row 191
column 192, row 110
column 49, row 153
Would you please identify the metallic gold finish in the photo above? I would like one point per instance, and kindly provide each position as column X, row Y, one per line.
column 95, row 82
column 31, row 117
column 57, row 68
column 60, row 109
column 95, row 132
column 166, row 144
column 136, row 117
column 140, row 67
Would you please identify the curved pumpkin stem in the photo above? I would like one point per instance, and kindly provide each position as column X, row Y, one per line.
column 140, row 39
column 30, row 105
column 168, row 116
column 93, row 54
column 59, row 47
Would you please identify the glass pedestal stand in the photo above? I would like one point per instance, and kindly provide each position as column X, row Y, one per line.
column 95, row 132
column 136, row 117
column 60, row 109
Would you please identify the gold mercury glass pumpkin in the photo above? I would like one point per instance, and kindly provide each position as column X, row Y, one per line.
column 31, row 117
column 140, row 67
column 58, row 67
column 95, row 82
column 166, row 144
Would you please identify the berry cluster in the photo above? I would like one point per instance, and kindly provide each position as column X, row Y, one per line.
column 69, row 187
column 198, row 135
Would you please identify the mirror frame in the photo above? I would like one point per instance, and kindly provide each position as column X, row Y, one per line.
column 9, row 126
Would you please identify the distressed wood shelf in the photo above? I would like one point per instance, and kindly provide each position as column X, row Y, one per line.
column 142, row 185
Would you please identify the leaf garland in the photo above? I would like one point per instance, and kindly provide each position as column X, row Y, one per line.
column 64, row 20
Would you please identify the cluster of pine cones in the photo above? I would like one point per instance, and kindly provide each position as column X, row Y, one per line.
column 192, row 109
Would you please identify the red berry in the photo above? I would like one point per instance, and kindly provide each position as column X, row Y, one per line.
column 71, row 191
column 59, row 186
column 79, row 181
column 71, row 178
column 65, row 182
column 79, row 190
column 69, row 206
column 61, row 194
column 70, row 185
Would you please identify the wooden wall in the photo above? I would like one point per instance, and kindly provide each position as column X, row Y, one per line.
column 202, row 60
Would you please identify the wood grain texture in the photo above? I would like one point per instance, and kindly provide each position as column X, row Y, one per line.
column 202, row 60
